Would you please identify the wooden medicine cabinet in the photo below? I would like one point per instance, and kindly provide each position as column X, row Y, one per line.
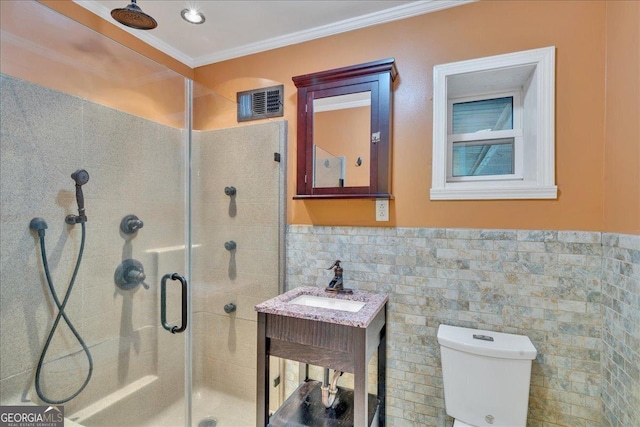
column 344, row 132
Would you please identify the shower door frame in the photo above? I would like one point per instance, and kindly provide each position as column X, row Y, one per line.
column 188, row 345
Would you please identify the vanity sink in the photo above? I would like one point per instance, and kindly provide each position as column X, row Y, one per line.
column 357, row 309
column 333, row 330
column 330, row 303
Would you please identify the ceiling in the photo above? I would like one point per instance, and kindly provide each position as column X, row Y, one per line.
column 238, row 28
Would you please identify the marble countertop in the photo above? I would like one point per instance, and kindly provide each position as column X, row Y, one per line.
column 360, row 319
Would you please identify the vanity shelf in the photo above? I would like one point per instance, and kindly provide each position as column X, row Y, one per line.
column 329, row 338
column 305, row 404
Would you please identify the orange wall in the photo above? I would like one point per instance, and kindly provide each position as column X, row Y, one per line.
column 593, row 38
column 111, row 30
column 622, row 137
column 576, row 28
column 47, row 48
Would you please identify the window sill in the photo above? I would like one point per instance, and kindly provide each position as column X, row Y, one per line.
column 496, row 192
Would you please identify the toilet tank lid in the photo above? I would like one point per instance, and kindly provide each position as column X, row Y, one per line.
column 504, row 346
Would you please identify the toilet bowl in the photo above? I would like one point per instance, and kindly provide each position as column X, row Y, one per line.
column 486, row 376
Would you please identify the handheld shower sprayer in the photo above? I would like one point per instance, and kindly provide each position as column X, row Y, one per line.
column 81, row 177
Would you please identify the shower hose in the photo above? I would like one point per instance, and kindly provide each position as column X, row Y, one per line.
column 61, row 314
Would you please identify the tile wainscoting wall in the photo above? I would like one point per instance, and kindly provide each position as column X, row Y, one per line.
column 557, row 287
column 621, row 329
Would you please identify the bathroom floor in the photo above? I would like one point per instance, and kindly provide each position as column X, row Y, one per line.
column 225, row 409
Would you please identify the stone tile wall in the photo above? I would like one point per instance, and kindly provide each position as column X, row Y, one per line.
column 136, row 167
column 621, row 330
column 224, row 344
column 543, row 284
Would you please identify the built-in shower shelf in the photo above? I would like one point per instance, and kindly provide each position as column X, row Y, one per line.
column 104, row 408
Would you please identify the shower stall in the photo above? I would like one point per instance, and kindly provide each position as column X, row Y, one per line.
column 163, row 155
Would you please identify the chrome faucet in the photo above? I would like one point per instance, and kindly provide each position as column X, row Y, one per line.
column 336, row 284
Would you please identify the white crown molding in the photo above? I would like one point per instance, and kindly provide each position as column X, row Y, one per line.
column 400, row 12
column 341, row 106
column 341, row 102
column 375, row 18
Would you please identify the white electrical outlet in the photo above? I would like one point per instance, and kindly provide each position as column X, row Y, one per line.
column 382, row 210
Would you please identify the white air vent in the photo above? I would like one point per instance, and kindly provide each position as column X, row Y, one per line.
column 260, row 103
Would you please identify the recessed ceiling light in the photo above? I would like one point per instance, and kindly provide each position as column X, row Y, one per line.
column 192, row 16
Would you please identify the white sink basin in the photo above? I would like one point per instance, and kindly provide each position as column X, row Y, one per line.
column 331, row 303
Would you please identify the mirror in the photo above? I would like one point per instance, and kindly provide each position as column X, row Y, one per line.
column 344, row 132
column 341, row 152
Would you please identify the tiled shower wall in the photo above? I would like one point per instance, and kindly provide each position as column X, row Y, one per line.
column 136, row 167
column 243, row 157
column 543, row 284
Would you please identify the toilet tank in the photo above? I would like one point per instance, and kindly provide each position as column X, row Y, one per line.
column 486, row 376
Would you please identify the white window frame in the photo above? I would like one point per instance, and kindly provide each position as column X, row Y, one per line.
column 534, row 176
column 481, row 136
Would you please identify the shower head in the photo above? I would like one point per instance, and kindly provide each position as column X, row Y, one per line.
column 81, row 177
column 132, row 16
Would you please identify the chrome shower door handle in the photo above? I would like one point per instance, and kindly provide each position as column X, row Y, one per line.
column 163, row 303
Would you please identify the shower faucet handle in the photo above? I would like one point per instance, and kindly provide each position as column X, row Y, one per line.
column 135, row 275
column 131, row 224
column 130, row 274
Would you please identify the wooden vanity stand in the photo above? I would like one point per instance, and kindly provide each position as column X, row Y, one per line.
column 328, row 338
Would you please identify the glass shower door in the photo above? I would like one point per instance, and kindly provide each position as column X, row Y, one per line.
column 73, row 99
column 238, row 204
column 159, row 200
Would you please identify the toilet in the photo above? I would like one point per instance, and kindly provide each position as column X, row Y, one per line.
column 486, row 376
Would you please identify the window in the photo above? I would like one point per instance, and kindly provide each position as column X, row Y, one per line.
column 484, row 138
column 493, row 135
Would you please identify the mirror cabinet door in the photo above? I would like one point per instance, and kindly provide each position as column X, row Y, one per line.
column 344, row 132
column 341, row 140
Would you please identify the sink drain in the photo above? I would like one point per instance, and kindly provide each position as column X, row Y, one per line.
column 208, row 422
